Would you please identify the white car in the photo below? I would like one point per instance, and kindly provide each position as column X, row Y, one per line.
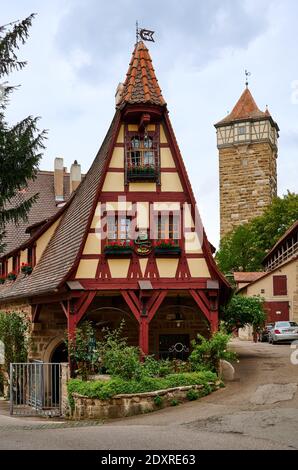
column 283, row 331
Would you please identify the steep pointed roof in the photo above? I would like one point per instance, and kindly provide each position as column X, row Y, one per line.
column 141, row 85
column 245, row 108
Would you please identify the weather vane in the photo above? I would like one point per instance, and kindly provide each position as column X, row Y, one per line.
column 145, row 34
column 247, row 74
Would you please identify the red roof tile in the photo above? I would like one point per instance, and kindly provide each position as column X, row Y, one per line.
column 245, row 108
column 141, row 85
column 247, row 276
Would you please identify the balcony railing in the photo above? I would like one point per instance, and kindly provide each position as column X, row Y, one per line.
column 282, row 256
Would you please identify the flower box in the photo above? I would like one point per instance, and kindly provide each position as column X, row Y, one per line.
column 148, row 173
column 168, row 252
column 119, row 249
column 26, row 268
column 12, row 276
column 167, row 248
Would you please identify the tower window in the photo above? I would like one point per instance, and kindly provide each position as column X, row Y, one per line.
column 141, row 157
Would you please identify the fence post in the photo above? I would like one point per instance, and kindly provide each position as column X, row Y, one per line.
column 65, row 376
column 11, row 389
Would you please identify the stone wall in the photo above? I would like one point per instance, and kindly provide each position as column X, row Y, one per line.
column 20, row 307
column 48, row 332
column 247, row 177
column 129, row 405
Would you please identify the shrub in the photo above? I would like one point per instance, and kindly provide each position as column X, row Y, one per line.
column 123, row 362
column 192, row 394
column 207, row 353
column 154, row 368
column 158, row 401
column 174, row 402
column 83, row 350
column 107, row 389
column 14, row 331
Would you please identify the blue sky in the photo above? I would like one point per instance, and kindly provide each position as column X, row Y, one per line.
column 79, row 50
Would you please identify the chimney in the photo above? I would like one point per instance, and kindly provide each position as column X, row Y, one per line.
column 119, row 93
column 75, row 176
column 58, row 179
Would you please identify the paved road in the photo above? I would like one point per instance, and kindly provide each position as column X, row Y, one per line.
column 258, row 410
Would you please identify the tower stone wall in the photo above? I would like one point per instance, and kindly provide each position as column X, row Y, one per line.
column 247, row 181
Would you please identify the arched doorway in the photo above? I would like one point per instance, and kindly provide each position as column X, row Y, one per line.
column 60, row 354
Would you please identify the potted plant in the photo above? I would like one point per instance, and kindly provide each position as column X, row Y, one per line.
column 167, row 247
column 2, row 279
column 12, row 276
column 119, row 248
column 26, row 268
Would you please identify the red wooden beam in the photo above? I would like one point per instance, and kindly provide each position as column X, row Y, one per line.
column 65, row 308
column 135, row 299
column 80, row 312
column 151, row 301
column 205, row 299
column 144, row 336
column 35, row 313
column 197, row 298
column 156, row 305
column 131, row 305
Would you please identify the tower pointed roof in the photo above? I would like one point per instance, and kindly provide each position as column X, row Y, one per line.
column 245, row 108
column 141, row 85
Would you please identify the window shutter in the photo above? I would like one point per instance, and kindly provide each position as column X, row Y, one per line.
column 279, row 285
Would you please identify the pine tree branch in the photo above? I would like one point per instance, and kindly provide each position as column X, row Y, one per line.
column 19, row 212
column 9, row 43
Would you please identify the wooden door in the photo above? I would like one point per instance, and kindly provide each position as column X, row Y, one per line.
column 277, row 311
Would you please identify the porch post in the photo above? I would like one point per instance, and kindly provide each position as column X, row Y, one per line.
column 144, row 336
column 214, row 321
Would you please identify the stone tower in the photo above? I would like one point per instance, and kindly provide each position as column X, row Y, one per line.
column 247, row 145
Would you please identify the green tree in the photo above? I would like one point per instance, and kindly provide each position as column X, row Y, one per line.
column 242, row 311
column 246, row 246
column 14, row 329
column 21, row 143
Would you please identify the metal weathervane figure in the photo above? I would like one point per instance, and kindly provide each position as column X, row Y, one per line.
column 145, row 34
column 247, row 74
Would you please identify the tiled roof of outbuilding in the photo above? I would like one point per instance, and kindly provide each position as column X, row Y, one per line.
column 45, row 207
column 63, row 248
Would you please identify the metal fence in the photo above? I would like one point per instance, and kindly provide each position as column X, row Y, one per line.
column 35, row 389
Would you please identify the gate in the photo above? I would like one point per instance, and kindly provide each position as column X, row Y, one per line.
column 35, row 389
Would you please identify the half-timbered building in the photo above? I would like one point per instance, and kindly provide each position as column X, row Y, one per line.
column 127, row 244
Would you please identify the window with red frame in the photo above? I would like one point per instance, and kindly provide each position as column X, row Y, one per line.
column 280, row 285
column 118, row 227
column 16, row 264
column 31, row 256
column 3, row 269
column 168, row 227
